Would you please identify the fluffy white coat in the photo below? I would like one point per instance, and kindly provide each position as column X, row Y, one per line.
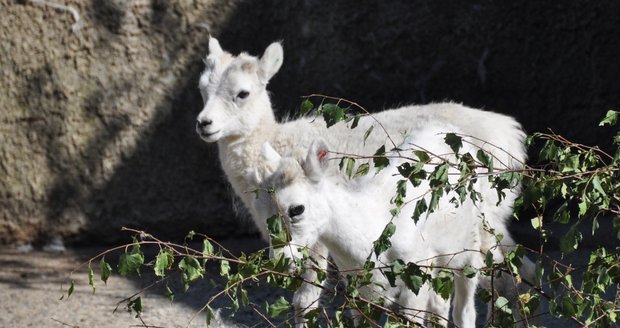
column 349, row 217
column 238, row 116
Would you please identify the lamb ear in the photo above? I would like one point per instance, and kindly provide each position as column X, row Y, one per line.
column 316, row 164
column 214, row 47
column 270, row 62
column 270, row 155
column 254, row 177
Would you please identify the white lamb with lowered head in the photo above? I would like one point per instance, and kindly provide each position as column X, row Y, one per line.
column 237, row 115
column 349, row 216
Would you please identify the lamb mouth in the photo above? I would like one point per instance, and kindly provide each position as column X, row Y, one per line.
column 206, row 135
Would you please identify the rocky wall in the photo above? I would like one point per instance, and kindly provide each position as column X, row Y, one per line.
column 97, row 121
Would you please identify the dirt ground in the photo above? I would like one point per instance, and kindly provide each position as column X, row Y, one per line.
column 32, row 284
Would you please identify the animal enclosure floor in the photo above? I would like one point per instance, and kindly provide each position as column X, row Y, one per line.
column 31, row 285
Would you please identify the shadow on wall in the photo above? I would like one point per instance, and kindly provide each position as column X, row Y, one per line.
column 172, row 183
column 546, row 64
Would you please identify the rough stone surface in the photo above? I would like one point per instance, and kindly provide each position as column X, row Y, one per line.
column 97, row 125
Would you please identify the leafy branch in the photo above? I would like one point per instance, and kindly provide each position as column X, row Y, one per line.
column 571, row 184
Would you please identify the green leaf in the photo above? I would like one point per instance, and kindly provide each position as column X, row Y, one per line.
column 367, row 133
column 570, row 241
column 306, row 106
column 383, row 243
column 163, row 262
column 401, row 193
column 105, row 270
column 233, row 296
column 422, row 156
column 610, row 118
column 379, row 160
column 485, row 159
column 362, row 170
column 396, row 267
column 539, row 271
column 280, row 306
column 583, row 205
column 455, row 142
column 209, row 315
column 71, row 288
column 469, row 271
column 420, row 207
column 207, row 248
column 569, row 164
column 169, row 293
column 435, row 196
column 356, row 121
column 415, row 173
column 514, row 258
column 488, row 259
column 244, row 297
column 350, row 164
column 502, row 304
column 439, row 177
column 443, row 284
column 277, row 233
column 332, row 114
column 130, row 263
column 413, row 277
column 224, row 268
column 191, row 270
column 135, row 305
column 91, row 277
column 568, row 307
column 596, row 184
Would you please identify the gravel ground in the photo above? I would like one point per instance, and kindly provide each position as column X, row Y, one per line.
column 32, row 283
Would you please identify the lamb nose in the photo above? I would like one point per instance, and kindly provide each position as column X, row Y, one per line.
column 202, row 124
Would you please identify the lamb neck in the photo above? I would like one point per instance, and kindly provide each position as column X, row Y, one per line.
column 352, row 228
column 241, row 152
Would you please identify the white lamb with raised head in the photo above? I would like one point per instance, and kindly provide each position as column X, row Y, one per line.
column 348, row 216
column 237, row 114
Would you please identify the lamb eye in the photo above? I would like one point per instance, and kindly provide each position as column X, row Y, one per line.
column 243, row 94
column 294, row 211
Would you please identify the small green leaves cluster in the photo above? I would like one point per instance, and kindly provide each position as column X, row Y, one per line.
column 332, row 113
column 578, row 186
column 582, row 178
column 130, row 262
column 176, row 261
column 411, row 274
